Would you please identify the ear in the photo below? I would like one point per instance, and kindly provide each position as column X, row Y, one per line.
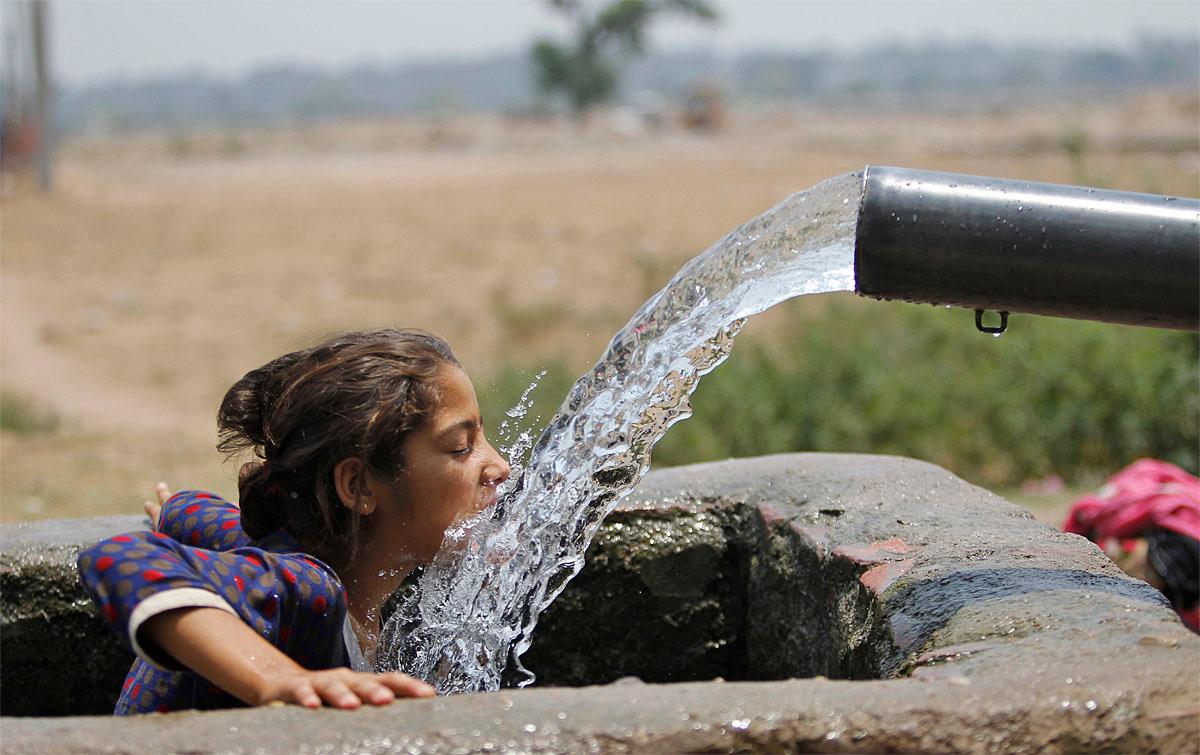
column 353, row 487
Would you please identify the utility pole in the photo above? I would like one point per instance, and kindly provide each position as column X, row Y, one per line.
column 45, row 136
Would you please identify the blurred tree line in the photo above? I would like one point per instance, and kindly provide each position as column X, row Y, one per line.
column 970, row 74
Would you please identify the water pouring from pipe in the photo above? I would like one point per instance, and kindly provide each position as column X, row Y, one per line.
column 889, row 233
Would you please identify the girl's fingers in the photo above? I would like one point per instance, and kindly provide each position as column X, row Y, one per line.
column 406, row 686
column 346, row 689
column 370, row 690
column 152, row 511
column 335, row 692
column 307, row 696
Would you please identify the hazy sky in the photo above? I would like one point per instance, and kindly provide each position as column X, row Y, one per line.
column 105, row 39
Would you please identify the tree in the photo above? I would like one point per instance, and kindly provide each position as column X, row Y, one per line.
column 586, row 73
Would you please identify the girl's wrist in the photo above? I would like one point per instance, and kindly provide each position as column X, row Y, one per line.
column 271, row 681
column 224, row 650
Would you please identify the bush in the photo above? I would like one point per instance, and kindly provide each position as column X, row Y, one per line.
column 22, row 415
column 1052, row 396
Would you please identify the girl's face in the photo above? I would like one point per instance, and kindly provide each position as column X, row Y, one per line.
column 451, row 472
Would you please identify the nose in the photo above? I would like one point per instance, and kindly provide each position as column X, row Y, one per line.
column 496, row 470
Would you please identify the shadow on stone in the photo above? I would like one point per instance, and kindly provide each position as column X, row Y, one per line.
column 918, row 609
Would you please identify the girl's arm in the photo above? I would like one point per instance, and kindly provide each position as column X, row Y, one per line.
column 278, row 606
column 223, row 649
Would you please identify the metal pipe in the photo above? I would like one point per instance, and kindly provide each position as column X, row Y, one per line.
column 1016, row 246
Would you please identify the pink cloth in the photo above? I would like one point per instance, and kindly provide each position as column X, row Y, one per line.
column 1145, row 495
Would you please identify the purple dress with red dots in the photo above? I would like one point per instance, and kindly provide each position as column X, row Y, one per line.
column 200, row 557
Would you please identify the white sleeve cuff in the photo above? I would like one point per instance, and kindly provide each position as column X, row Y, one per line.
column 169, row 600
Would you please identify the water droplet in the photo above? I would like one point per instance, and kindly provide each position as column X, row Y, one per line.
column 1091, row 705
column 740, row 724
column 529, row 728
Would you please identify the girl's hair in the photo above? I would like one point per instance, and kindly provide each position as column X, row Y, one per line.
column 357, row 395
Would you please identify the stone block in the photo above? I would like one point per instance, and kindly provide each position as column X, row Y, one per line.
column 851, row 603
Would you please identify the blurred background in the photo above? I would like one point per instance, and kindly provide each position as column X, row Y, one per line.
column 192, row 188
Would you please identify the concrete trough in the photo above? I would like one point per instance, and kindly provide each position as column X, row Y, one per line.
column 814, row 602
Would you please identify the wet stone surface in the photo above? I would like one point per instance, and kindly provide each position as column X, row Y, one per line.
column 57, row 656
column 660, row 598
column 869, row 603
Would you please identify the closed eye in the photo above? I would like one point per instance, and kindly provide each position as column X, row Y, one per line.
column 460, row 437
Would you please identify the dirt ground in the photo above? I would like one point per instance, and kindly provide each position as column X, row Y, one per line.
column 164, row 266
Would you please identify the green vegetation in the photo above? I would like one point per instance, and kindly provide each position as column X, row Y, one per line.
column 1051, row 396
column 586, row 73
column 504, row 389
column 22, row 415
column 1074, row 143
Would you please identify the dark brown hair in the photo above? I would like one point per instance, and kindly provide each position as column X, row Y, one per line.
column 357, row 395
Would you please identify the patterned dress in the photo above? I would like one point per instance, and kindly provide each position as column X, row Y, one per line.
column 201, row 557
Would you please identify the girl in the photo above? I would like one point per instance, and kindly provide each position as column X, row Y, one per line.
column 371, row 445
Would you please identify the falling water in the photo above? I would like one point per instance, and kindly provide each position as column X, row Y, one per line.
column 476, row 606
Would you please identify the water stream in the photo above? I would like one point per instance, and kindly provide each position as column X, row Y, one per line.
column 475, row 608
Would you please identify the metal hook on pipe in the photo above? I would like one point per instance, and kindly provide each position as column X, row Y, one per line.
column 992, row 329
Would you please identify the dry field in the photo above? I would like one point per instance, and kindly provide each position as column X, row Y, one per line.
column 165, row 266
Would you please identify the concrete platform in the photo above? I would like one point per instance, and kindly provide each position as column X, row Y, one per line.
column 923, row 613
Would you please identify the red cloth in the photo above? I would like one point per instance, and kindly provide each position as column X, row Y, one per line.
column 1191, row 618
column 1147, row 494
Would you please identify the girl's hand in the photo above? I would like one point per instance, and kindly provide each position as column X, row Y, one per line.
column 342, row 688
column 227, row 652
column 152, row 509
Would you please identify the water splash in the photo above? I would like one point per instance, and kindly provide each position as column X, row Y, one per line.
column 515, row 435
column 475, row 608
